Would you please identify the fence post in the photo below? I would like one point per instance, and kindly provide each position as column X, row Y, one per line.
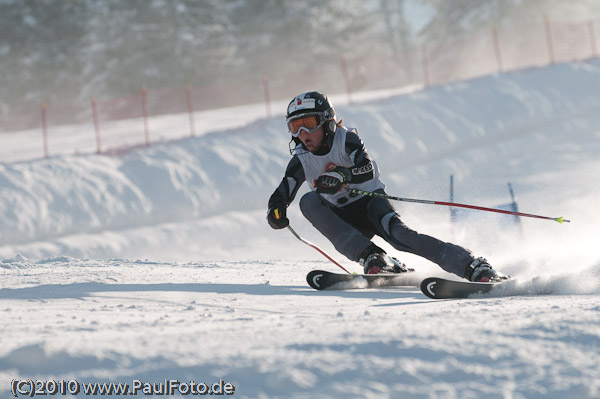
column 549, row 43
column 96, row 126
column 145, row 115
column 452, row 210
column 592, row 33
column 190, row 107
column 44, row 130
column 267, row 94
column 497, row 51
column 425, row 65
column 346, row 75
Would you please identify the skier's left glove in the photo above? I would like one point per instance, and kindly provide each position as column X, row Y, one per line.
column 331, row 182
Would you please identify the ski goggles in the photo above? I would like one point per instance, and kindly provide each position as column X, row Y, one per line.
column 308, row 122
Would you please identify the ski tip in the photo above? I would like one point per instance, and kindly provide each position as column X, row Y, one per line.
column 313, row 278
column 427, row 287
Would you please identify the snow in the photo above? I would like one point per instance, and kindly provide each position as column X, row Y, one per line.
column 157, row 263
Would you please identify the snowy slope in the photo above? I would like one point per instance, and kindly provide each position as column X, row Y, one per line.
column 157, row 263
column 256, row 324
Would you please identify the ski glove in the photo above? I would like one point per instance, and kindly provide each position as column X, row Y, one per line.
column 331, row 182
column 277, row 219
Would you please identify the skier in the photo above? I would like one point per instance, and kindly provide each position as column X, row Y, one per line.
column 332, row 157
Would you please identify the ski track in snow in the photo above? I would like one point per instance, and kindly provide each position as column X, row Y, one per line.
column 255, row 325
column 157, row 263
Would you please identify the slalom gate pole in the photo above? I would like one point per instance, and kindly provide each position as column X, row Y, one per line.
column 310, row 244
column 560, row 220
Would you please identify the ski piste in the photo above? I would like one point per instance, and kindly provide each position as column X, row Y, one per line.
column 320, row 280
column 441, row 288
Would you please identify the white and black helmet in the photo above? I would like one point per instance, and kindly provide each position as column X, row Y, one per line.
column 312, row 103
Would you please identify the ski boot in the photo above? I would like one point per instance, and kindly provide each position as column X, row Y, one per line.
column 481, row 271
column 377, row 261
column 400, row 267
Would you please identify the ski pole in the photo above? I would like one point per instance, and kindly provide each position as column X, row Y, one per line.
column 560, row 220
column 310, row 244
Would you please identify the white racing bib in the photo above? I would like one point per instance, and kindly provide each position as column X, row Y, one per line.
column 316, row 165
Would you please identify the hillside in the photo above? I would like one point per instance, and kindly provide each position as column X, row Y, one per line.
column 158, row 264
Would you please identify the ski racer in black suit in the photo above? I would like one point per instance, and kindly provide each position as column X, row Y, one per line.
column 330, row 156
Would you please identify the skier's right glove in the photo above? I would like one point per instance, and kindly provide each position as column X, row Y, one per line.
column 331, row 181
column 277, row 219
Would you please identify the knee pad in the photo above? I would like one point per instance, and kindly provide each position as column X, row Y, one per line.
column 386, row 220
column 381, row 213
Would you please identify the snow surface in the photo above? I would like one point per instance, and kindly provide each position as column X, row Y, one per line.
column 157, row 262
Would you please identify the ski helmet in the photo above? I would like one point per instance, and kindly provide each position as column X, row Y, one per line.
column 311, row 103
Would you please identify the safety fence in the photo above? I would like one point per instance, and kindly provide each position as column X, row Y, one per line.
column 151, row 115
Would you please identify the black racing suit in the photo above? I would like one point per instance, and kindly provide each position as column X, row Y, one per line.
column 350, row 221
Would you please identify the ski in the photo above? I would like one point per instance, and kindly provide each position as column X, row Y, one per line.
column 320, row 280
column 441, row 288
